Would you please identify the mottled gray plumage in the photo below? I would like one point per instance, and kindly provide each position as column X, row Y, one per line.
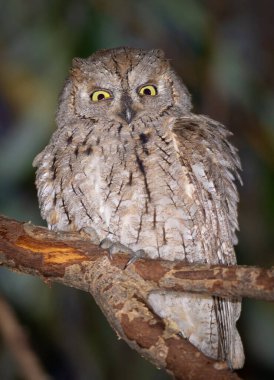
column 144, row 171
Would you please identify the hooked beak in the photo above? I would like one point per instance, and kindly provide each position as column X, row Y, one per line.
column 127, row 113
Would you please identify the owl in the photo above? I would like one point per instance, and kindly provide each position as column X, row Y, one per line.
column 131, row 166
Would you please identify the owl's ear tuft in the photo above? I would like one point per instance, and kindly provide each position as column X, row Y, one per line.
column 159, row 53
column 77, row 68
column 77, row 62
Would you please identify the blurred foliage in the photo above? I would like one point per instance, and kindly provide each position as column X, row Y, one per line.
column 224, row 52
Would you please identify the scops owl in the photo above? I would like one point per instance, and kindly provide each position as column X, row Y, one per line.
column 131, row 164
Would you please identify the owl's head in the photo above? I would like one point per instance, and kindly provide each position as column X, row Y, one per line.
column 123, row 84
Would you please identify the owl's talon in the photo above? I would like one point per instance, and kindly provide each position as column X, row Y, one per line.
column 107, row 244
column 114, row 247
column 90, row 234
column 135, row 256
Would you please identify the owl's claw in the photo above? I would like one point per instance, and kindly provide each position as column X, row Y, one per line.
column 115, row 247
column 135, row 256
column 106, row 244
column 90, row 234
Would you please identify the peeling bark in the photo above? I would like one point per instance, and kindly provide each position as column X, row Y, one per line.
column 122, row 293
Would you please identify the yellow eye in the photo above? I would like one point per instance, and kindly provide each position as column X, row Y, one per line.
column 149, row 90
column 99, row 95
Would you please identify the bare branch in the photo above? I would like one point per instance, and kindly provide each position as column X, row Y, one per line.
column 224, row 281
column 122, row 293
column 38, row 251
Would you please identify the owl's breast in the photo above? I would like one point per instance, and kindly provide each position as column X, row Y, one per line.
column 142, row 198
column 132, row 189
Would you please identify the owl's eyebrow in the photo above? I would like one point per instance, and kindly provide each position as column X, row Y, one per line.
column 150, row 81
column 147, row 83
column 98, row 87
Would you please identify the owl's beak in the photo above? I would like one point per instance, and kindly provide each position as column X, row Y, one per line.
column 127, row 113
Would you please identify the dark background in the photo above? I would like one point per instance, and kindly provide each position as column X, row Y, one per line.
column 224, row 50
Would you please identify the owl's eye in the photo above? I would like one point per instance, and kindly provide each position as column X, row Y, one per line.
column 148, row 90
column 99, row 95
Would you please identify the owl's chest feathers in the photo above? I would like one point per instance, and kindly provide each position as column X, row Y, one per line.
column 146, row 173
column 140, row 191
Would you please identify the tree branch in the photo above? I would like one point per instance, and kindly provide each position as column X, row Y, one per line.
column 122, row 293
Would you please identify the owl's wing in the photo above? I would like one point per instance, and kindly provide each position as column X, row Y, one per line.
column 212, row 165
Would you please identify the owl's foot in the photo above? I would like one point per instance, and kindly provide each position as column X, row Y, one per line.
column 90, row 234
column 115, row 247
column 135, row 255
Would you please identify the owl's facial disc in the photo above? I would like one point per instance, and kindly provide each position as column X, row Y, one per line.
column 126, row 85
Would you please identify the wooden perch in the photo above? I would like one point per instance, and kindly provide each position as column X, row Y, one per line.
column 122, row 293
